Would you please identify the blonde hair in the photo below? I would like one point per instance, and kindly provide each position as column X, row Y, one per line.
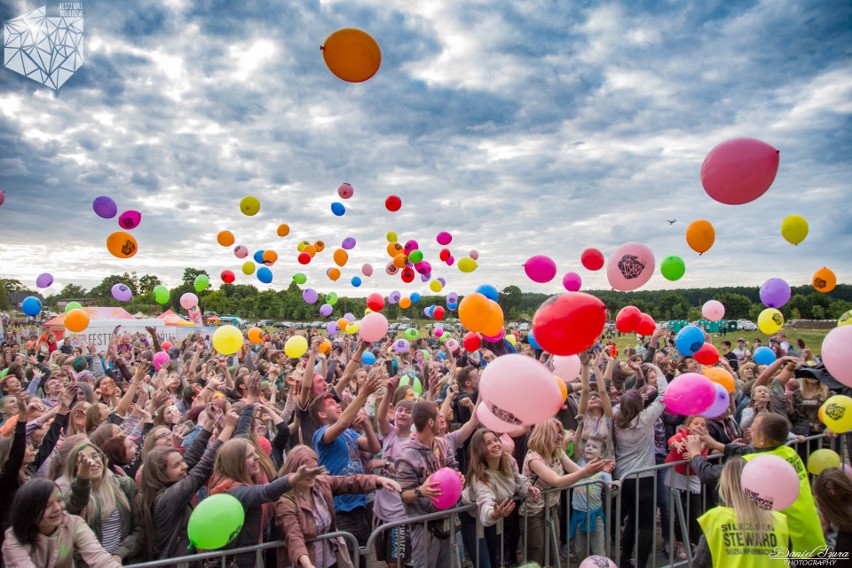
column 106, row 493
column 543, row 440
column 477, row 470
column 72, row 428
column 731, row 495
column 820, row 392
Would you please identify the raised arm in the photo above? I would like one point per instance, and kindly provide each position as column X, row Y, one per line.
column 308, row 375
column 331, row 433
column 353, row 365
column 384, row 406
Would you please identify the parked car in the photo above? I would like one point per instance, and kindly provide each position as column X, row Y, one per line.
column 283, row 324
column 524, row 326
column 264, row 323
column 746, row 325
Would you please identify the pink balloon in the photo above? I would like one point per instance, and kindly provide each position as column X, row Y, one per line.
column 373, row 327
column 439, row 332
column 567, row 368
column 161, row 359
column 345, row 191
column 490, row 421
column 520, row 390
column 739, row 171
column 495, row 338
column 367, row 270
column 444, row 238
column 130, row 219
column 2, row 197
column 689, row 394
column 597, row 562
column 771, row 482
column 572, row 281
column 474, row 254
column 713, row 310
column 720, row 405
column 540, row 269
column 630, row 267
column 452, row 345
column 450, row 483
column 837, row 355
column 240, row 251
column 188, row 300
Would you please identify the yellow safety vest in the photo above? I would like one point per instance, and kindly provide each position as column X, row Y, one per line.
column 802, row 518
column 734, row 545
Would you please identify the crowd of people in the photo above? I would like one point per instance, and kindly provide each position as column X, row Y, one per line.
column 103, row 458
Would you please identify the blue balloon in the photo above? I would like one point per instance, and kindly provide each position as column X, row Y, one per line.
column 415, row 297
column 264, row 275
column 258, row 256
column 368, row 358
column 31, row 306
column 452, row 307
column 689, row 340
column 764, row 356
column 488, row 291
column 338, row 209
column 356, row 281
column 532, row 341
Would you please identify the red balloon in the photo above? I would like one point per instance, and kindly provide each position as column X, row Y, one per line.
column 471, row 341
column 739, row 171
column 647, row 326
column 304, row 258
column 227, row 276
column 707, row 355
column 592, row 259
column 375, row 301
column 438, row 313
column 444, row 255
column 393, row 203
column 569, row 323
column 628, row 319
column 407, row 274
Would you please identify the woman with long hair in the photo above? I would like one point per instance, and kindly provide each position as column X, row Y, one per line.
column 492, row 480
column 739, row 532
column 105, row 501
column 833, row 494
column 762, row 400
column 595, row 408
column 308, row 511
column 77, row 418
column 42, row 535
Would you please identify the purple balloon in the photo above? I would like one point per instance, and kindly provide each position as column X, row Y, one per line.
column 325, row 310
column 444, row 238
column 452, row 298
column 129, row 219
column 348, row 243
column 572, row 281
column 427, row 312
column 424, row 278
column 310, row 295
column 410, row 246
column 105, row 207
column 394, row 297
column 349, row 317
column 331, row 328
column 401, row 345
column 442, row 281
column 720, row 405
column 774, row 293
column 121, row 293
column 44, row 280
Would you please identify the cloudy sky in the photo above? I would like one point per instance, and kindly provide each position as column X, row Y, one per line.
column 521, row 127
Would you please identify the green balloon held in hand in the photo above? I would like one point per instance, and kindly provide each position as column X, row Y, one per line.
column 673, row 268
column 161, row 295
column 215, row 522
column 202, row 282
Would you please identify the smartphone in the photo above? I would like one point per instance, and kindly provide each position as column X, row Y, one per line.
column 389, row 367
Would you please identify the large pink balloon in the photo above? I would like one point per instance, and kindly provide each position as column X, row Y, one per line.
column 540, row 269
column 739, row 171
column 487, row 419
column 771, row 482
column 689, row 394
column 837, row 353
column 520, row 390
column 713, row 310
column 630, row 267
column 450, row 484
column 373, row 327
column 567, row 368
column 188, row 300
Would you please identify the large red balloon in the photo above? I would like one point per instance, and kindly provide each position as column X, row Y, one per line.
column 739, row 171
column 375, row 302
column 647, row 326
column 569, row 323
column 471, row 341
column 707, row 355
column 592, row 259
column 628, row 319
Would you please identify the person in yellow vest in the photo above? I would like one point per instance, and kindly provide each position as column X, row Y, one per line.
column 738, row 533
column 768, row 434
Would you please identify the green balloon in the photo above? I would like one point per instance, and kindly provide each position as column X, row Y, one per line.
column 405, row 381
column 673, row 268
column 444, row 337
column 331, row 299
column 161, row 295
column 426, row 354
column 202, row 282
column 215, row 522
column 415, row 256
column 299, row 278
column 411, row 333
column 73, row 306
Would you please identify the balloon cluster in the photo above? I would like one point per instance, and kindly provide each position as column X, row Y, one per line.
column 120, row 244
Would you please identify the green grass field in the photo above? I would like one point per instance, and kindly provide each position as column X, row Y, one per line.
column 812, row 338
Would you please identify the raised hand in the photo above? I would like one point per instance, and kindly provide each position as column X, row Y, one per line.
column 504, row 509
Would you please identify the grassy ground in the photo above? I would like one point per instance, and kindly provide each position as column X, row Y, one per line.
column 812, row 338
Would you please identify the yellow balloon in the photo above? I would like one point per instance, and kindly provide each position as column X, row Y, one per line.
column 352, row 328
column 391, row 236
column 770, row 321
column 845, row 319
column 510, row 337
column 794, row 229
column 301, row 246
column 295, row 347
column 250, row 205
column 248, row 268
column 227, row 340
column 837, row 414
column 822, row 459
column 467, row 264
column 436, row 286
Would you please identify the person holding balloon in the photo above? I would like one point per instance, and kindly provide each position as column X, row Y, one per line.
column 491, row 482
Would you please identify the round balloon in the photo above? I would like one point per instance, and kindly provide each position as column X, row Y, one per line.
column 540, row 269
column 647, row 326
column 338, row 209
column 528, row 401
column 188, row 300
column 31, row 306
column 130, row 219
column 352, row 55
column 161, row 359
column 592, row 259
column 215, row 521
column 720, row 376
column 739, row 171
column 490, row 421
column 770, row 321
column 248, row 268
column 296, row 346
column 240, row 251
column 707, row 355
column 44, row 280
column 689, row 340
column 367, row 270
column 374, row 327
column 122, row 244
column 283, row 230
column 104, row 207
column 444, row 238
column 720, row 404
column 121, row 292
column 713, row 310
column 225, row 238
column 673, row 268
column 310, row 296
column 401, row 345
column 348, row 243
column 467, row 264
column 567, row 368
column 836, row 354
column 325, row 310
column 824, row 280
column 450, row 485
column 250, row 205
column 161, row 294
column 368, row 358
column 596, row 561
column 264, row 275
column 227, row 340
column 355, row 281
column 775, row 293
column 569, row 323
column 794, row 229
column 572, row 281
column 393, row 203
column 689, row 393
column 227, row 276
column 770, row 482
column 837, row 413
column 630, row 267
column 700, row 236
column 345, row 191
column 822, row 459
column 70, row 306
column 331, row 298
column 764, row 356
column 628, row 319
column 255, row 335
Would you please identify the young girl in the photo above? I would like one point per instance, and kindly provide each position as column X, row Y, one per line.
column 587, row 522
column 685, row 481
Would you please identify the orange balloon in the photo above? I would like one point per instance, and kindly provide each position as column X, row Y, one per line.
column 495, row 321
column 400, row 260
column 320, row 246
column 270, row 256
column 334, row 273
column 404, row 303
column 122, row 244
column 721, row 376
column 341, row 257
column 820, row 415
column 310, row 250
column 76, row 320
column 283, row 230
column 342, row 323
column 301, row 246
column 824, row 280
column 563, row 388
column 394, row 249
column 352, row 55
column 255, row 335
column 325, row 347
column 474, row 312
column 225, row 238
column 700, row 236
